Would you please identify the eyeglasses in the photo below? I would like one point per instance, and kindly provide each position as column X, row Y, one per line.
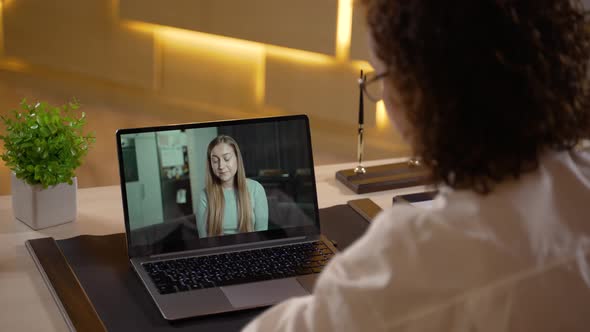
column 369, row 87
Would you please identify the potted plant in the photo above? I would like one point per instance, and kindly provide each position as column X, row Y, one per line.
column 43, row 146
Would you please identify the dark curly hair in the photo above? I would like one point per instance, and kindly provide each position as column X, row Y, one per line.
column 487, row 85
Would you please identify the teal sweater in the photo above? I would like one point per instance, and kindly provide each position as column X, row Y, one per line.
column 230, row 213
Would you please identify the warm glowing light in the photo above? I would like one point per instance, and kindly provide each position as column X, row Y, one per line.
column 260, row 84
column 381, row 117
column 1, row 27
column 343, row 29
column 228, row 50
column 244, row 56
column 299, row 55
column 157, row 64
column 193, row 37
column 362, row 65
column 140, row 26
column 14, row 64
column 238, row 50
column 189, row 38
column 114, row 9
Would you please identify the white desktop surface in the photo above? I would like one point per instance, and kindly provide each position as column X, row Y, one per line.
column 26, row 303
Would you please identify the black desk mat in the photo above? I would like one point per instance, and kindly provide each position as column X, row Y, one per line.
column 119, row 298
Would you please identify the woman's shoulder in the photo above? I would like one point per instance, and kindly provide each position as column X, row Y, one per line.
column 417, row 240
column 253, row 185
column 443, row 221
column 402, row 217
column 452, row 233
column 203, row 195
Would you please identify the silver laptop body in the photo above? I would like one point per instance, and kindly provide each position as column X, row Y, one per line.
column 163, row 176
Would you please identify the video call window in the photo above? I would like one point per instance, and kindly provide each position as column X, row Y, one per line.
column 216, row 181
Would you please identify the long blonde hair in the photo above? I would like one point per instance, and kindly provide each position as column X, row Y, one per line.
column 214, row 192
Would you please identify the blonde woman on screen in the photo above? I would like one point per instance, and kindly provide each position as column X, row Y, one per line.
column 230, row 203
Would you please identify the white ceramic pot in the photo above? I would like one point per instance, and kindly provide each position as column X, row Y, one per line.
column 41, row 208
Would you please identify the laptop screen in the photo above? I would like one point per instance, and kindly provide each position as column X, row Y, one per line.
column 195, row 186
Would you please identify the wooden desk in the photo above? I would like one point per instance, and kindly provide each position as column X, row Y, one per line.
column 25, row 301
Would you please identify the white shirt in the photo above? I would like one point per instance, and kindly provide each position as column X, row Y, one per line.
column 514, row 260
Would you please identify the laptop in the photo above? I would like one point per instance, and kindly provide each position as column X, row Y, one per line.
column 222, row 216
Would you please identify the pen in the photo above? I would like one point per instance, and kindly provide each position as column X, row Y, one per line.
column 360, row 169
column 361, row 104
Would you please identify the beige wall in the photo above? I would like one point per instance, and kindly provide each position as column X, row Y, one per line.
column 229, row 60
column 275, row 22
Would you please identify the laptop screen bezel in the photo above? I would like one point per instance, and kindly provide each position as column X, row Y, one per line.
column 225, row 240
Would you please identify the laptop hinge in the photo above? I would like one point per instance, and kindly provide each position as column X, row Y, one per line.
column 235, row 247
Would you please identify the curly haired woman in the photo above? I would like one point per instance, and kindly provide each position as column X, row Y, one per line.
column 492, row 97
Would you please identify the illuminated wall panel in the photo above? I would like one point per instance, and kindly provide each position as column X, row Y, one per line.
column 327, row 91
column 78, row 36
column 1, row 28
column 303, row 24
column 196, row 67
column 359, row 44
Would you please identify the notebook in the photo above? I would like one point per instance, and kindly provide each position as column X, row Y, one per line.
column 222, row 216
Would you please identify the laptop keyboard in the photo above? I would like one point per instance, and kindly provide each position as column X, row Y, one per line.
column 184, row 274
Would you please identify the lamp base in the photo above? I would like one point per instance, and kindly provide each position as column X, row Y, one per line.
column 384, row 177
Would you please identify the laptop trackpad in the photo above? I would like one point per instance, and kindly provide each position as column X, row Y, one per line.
column 263, row 292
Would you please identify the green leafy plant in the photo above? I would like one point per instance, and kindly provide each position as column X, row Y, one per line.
column 45, row 144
